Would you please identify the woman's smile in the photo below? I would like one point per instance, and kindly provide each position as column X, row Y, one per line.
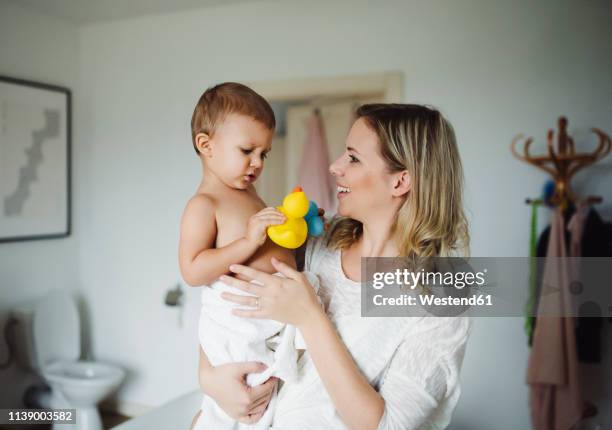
column 343, row 191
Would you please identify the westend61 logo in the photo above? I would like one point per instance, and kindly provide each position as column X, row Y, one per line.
column 486, row 287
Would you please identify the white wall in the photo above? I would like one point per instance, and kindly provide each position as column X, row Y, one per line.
column 38, row 48
column 495, row 69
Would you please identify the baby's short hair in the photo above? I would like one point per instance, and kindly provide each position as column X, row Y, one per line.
column 226, row 98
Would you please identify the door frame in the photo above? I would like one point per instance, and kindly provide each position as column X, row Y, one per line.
column 389, row 84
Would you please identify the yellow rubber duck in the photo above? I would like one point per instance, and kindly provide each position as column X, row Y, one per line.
column 292, row 234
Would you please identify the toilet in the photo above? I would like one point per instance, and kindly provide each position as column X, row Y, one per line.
column 49, row 343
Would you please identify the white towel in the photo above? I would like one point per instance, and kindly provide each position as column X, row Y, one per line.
column 227, row 338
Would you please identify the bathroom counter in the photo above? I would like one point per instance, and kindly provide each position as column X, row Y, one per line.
column 176, row 414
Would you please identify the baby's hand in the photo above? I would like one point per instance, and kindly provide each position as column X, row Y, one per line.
column 258, row 223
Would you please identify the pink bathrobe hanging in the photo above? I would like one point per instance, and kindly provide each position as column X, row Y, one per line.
column 313, row 174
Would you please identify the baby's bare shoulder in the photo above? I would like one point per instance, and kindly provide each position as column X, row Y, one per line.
column 201, row 205
column 203, row 200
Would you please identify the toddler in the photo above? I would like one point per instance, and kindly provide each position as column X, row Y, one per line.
column 224, row 223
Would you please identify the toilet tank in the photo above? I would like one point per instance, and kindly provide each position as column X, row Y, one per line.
column 25, row 355
column 47, row 330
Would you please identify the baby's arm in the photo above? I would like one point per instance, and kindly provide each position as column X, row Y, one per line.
column 200, row 262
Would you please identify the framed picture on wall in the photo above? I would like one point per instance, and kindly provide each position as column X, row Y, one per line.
column 34, row 160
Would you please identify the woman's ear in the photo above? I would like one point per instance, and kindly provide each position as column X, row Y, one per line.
column 402, row 183
column 202, row 141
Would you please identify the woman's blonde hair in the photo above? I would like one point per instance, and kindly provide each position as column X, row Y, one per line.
column 431, row 222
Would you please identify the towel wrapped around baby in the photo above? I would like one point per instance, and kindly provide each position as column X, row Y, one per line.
column 227, row 338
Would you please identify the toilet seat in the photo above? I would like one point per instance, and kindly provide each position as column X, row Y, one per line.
column 84, row 373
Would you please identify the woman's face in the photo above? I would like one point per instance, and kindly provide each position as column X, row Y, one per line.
column 364, row 184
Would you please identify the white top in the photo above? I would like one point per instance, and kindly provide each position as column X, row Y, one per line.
column 413, row 362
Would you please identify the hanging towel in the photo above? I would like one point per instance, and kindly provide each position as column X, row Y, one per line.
column 552, row 371
column 314, row 176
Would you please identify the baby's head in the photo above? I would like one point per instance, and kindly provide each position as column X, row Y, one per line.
column 232, row 128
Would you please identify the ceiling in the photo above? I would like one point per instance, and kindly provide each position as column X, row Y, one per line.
column 90, row 11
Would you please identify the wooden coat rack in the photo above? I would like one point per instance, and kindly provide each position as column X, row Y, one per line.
column 562, row 162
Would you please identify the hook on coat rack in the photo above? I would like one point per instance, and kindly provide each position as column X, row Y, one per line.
column 561, row 161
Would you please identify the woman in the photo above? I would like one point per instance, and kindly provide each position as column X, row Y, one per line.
column 400, row 194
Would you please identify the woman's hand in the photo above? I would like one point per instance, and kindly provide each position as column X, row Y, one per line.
column 289, row 300
column 226, row 384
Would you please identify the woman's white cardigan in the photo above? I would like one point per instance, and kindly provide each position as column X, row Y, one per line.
column 413, row 362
